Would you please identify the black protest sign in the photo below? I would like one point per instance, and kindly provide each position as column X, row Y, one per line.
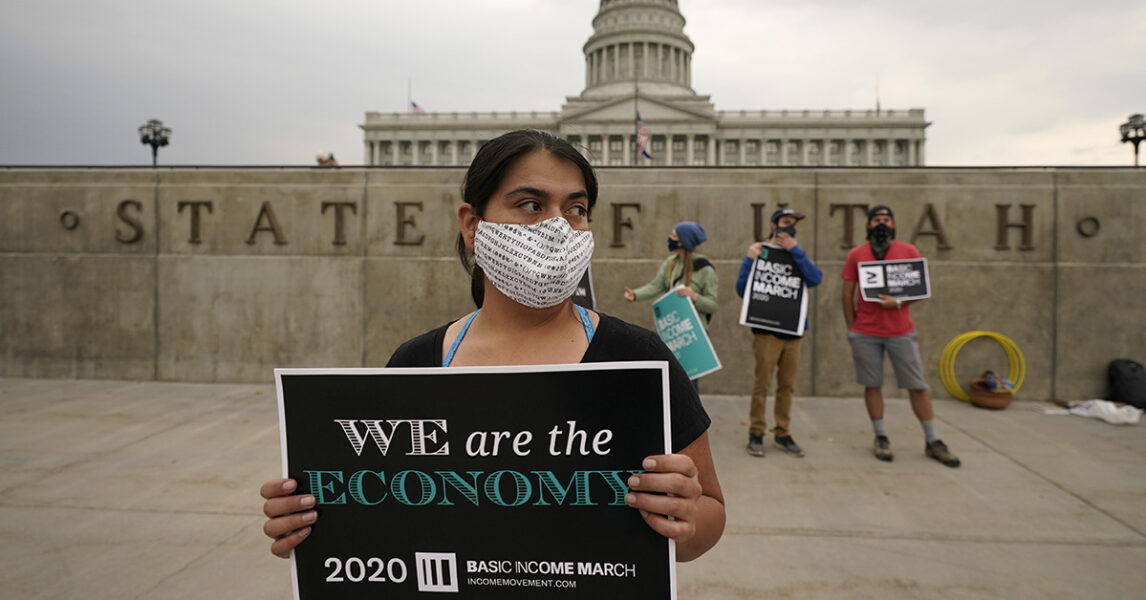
column 904, row 279
column 504, row 482
column 775, row 296
column 584, row 295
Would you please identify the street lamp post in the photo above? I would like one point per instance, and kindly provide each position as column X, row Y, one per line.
column 154, row 134
column 1134, row 130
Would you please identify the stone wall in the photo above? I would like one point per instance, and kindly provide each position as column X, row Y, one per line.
column 223, row 274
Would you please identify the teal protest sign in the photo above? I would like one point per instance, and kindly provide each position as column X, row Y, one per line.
column 680, row 327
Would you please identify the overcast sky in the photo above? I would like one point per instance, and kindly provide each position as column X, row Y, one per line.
column 272, row 82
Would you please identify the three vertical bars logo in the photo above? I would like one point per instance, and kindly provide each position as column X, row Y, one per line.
column 437, row 571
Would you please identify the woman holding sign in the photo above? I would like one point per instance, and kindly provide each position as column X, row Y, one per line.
column 683, row 267
column 522, row 187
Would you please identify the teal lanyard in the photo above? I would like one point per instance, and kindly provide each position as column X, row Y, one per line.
column 587, row 322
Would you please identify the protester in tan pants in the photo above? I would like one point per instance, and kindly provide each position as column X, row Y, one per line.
column 782, row 357
column 776, row 352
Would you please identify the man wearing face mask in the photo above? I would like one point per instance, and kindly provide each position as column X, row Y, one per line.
column 776, row 352
column 886, row 326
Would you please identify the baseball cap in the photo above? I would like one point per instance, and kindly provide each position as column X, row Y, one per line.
column 878, row 210
column 786, row 212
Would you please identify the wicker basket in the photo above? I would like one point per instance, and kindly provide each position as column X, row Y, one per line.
column 984, row 397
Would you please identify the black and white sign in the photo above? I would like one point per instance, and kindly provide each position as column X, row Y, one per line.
column 902, row 279
column 468, row 482
column 775, row 297
column 584, row 294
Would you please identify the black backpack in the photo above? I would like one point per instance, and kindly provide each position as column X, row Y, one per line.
column 1127, row 381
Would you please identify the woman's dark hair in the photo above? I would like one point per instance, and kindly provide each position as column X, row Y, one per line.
column 491, row 163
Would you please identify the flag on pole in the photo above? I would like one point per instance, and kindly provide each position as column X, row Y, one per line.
column 643, row 138
column 414, row 108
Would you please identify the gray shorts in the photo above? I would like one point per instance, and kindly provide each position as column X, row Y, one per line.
column 867, row 354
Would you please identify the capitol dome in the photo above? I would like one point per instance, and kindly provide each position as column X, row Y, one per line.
column 638, row 42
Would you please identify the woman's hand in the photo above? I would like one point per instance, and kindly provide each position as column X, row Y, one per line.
column 629, row 295
column 669, row 487
column 288, row 517
column 755, row 250
column 687, row 291
column 696, row 504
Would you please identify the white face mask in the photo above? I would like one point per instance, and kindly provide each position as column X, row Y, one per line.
column 535, row 265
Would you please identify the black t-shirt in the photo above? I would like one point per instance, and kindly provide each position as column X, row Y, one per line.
column 615, row 340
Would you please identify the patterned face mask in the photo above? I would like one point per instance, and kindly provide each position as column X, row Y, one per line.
column 539, row 265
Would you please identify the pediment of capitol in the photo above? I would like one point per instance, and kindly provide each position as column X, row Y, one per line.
column 621, row 111
column 639, row 59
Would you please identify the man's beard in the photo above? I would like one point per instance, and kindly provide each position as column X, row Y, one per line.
column 880, row 237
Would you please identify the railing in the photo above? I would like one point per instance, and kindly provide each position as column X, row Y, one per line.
column 822, row 114
column 496, row 116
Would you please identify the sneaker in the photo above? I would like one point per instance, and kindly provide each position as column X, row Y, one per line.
column 882, row 448
column 938, row 450
column 787, row 443
column 756, row 444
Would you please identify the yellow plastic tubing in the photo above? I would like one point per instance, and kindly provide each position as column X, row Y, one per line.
column 1018, row 365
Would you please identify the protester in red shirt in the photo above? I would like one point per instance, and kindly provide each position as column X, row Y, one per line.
column 885, row 326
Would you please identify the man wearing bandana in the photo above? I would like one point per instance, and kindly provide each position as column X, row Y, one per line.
column 886, row 326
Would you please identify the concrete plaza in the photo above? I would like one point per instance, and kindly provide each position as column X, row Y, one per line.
column 131, row 490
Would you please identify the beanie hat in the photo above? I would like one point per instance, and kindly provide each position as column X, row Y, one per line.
column 691, row 234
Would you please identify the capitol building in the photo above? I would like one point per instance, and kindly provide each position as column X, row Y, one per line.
column 639, row 58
